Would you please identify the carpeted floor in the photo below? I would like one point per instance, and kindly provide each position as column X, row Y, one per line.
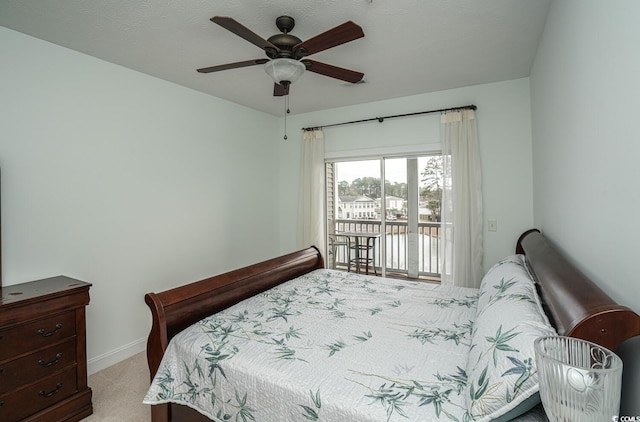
column 118, row 392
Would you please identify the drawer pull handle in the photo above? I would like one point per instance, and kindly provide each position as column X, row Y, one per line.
column 50, row 333
column 41, row 362
column 50, row 393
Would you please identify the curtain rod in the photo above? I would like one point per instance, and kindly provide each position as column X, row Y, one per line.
column 382, row 119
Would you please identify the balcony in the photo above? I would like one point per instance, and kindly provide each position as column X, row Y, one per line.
column 396, row 247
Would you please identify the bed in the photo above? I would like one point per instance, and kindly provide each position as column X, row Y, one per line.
column 286, row 339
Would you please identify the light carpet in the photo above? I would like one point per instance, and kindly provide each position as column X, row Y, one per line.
column 118, row 392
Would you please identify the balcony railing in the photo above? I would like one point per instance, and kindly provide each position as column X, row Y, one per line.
column 396, row 246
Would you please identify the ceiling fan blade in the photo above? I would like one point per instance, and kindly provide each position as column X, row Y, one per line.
column 341, row 34
column 280, row 90
column 333, row 71
column 243, row 32
column 232, row 65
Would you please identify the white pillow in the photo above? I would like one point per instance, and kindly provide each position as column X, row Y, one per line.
column 501, row 372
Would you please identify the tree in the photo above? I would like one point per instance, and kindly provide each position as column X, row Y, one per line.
column 367, row 186
column 433, row 173
column 343, row 188
column 432, row 176
column 396, row 189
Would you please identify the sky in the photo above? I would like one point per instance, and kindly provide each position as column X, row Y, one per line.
column 395, row 171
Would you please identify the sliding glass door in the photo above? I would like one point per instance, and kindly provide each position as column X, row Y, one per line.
column 403, row 211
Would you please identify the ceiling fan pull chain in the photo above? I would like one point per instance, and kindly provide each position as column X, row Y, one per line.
column 286, row 106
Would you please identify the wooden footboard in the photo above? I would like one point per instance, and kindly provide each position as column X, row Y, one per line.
column 176, row 309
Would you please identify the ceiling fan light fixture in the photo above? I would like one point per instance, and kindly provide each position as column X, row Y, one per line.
column 284, row 70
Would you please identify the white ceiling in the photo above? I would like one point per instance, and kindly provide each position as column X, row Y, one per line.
column 410, row 46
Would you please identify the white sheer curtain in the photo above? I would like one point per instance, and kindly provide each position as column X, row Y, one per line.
column 461, row 235
column 311, row 191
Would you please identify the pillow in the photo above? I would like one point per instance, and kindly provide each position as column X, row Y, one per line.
column 510, row 266
column 501, row 373
column 529, row 270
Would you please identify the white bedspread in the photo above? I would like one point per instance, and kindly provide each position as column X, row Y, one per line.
column 329, row 346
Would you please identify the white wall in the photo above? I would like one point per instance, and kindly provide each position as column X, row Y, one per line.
column 584, row 87
column 505, row 147
column 125, row 181
column 585, row 84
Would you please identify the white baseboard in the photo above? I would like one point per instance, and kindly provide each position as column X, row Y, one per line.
column 112, row 357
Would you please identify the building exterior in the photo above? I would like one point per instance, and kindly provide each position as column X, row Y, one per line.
column 365, row 208
column 396, row 207
column 357, row 208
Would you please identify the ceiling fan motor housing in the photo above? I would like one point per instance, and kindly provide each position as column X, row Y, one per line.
column 284, row 41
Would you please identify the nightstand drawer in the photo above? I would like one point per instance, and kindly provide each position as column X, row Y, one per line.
column 37, row 365
column 35, row 335
column 18, row 404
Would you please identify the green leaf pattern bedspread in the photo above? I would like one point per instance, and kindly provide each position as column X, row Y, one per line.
column 328, row 346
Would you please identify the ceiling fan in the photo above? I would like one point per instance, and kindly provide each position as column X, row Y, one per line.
column 287, row 53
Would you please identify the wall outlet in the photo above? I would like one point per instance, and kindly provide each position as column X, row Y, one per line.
column 493, row 225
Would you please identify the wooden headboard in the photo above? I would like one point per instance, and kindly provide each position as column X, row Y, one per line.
column 576, row 306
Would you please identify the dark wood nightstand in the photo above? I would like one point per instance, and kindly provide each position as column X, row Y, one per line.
column 43, row 358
